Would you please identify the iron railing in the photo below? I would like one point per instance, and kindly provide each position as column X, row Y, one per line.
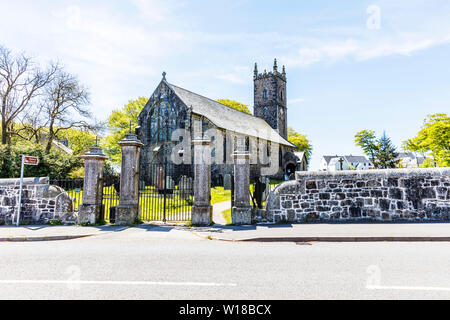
column 73, row 187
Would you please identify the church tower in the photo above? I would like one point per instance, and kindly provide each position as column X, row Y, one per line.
column 270, row 98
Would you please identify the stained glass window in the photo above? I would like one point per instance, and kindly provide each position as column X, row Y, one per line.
column 163, row 121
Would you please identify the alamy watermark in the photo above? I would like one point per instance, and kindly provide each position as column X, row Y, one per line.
column 263, row 148
column 373, row 21
column 74, row 277
column 374, row 277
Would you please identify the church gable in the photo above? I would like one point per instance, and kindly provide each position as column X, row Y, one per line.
column 163, row 113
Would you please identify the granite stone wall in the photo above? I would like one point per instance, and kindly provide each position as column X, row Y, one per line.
column 383, row 195
column 41, row 202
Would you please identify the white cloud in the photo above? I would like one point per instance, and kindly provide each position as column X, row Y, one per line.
column 407, row 27
column 365, row 49
column 239, row 75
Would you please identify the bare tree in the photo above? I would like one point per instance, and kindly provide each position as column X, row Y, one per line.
column 66, row 102
column 32, row 123
column 20, row 82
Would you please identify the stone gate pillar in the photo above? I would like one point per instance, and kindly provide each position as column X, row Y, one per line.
column 202, row 209
column 241, row 213
column 91, row 209
column 128, row 209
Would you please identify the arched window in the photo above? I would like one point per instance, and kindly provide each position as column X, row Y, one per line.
column 163, row 121
column 265, row 94
column 281, row 95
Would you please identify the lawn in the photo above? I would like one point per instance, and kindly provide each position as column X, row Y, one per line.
column 218, row 194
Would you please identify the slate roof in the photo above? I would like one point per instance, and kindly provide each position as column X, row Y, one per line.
column 228, row 118
column 328, row 158
column 406, row 155
column 349, row 159
column 357, row 159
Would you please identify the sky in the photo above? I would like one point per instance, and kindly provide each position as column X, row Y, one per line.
column 351, row 65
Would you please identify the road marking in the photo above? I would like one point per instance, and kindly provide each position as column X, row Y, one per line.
column 132, row 283
column 408, row 288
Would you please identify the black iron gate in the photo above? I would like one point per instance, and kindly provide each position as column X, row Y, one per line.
column 110, row 196
column 167, row 193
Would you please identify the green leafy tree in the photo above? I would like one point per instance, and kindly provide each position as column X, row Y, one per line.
column 55, row 164
column 433, row 139
column 119, row 125
column 367, row 140
column 302, row 143
column 381, row 151
column 386, row 156
column 79, row 140
column 235, row 105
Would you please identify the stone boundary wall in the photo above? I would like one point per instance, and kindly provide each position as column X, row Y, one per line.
column 383, row 195
column 41, row 202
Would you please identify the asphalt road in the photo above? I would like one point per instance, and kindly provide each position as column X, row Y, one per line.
column 175, row 264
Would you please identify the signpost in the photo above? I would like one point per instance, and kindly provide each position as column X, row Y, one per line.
column 30, row 161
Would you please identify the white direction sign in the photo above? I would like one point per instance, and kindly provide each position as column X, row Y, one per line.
column 29, row 161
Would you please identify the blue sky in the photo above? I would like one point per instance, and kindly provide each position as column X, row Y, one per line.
column 348, row 67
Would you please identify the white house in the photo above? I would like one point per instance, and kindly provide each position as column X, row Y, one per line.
column 337, row 163
column 410, row 160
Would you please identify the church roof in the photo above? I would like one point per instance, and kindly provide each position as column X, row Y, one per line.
column 227, row 118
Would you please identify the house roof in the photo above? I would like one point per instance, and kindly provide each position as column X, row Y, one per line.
column 328, row 158
column 349, row 159
column 300, row 155
column 406, row 155
column 411, row 156
column 357, row 159
column 227, row 118
column 62, row 147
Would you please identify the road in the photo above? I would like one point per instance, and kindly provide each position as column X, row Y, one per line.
column 167, row 263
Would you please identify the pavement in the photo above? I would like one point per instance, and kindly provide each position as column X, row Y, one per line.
column 53, row 233
column 218, row 208
column 326, row 232
column 338, row 232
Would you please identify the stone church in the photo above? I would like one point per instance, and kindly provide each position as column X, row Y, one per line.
column 171, row 107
